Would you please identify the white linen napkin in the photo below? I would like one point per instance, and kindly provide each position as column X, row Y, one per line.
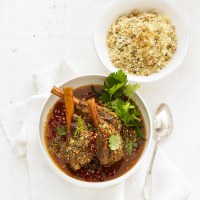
column 22, row 133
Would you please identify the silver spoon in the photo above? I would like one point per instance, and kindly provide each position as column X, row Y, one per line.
column 163, row 123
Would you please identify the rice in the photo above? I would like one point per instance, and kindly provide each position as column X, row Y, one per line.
column 141, row 43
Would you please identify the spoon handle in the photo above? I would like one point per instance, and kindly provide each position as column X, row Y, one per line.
column 147, row 190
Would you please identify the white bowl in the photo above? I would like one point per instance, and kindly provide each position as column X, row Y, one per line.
column 81, row 81
column 124, row 7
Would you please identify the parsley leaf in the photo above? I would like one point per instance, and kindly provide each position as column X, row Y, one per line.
column 130, row 89
column 120, row 76
column 95, row 90
column 117, row 105
column 114, row 142
column 61, row 130
column 125, row 110
column 113, row 86
column 139, row 133
column 80, row 126
column 130, row 145
column 114, row 93
column 116, row 87
column 115, row 78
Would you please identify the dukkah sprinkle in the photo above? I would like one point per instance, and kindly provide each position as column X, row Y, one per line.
column 141, row 43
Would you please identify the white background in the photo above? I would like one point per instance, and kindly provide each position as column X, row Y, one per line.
column 37, row 33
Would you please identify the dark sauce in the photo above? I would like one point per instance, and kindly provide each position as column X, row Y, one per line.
column 93, row 171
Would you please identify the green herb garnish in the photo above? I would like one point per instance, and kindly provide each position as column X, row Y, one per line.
column 80, row 126
column 126, row 111
column 139, row 133
column 114, row 142
column 115, row 93
column 61, row 130
column 95, row 90
column 130, row 89
column 130, row 145
column 113, row 86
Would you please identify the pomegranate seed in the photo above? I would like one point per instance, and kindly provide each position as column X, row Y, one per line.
column 110, row 174
column 57, row 118
column 92, row 148
column 51, row 123
column 87, row 178
column 92, row 172
column 92, row 139
column 98, row 176
column 97, row 172
column 101, row 178
column 52, row 118
column 53, row 134
column 81, row 173
column 90, row 93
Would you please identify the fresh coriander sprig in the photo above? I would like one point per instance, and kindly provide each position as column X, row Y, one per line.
column 113, row 86
column 61, row 130
column 130, row 145
column 114, row 142
column 126, row 111
column 80, row 126
column 130, row 89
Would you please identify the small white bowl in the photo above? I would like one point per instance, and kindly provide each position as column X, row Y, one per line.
column 88, row 80
column 124, row 7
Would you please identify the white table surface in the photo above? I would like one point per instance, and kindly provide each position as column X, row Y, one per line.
column 38, row 33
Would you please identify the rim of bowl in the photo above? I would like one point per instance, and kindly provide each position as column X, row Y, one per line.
column 155, row 76
column 86, row 184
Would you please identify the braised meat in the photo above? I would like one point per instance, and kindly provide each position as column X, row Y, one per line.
column 83, row 111
column 109, row 125
column 78, row 152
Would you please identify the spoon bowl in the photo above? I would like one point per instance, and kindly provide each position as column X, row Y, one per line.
column 163, row 122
